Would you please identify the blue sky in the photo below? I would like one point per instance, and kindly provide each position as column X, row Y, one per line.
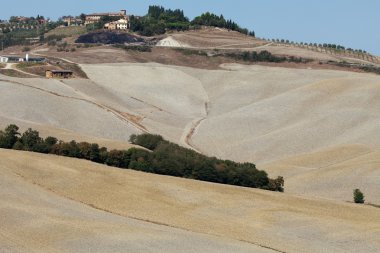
column 351, row 23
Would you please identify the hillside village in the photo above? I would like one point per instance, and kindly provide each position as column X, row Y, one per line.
column 30, row 23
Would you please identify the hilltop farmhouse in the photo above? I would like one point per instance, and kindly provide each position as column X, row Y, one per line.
column 72, row 21
column 95, row 17
column 122, row 24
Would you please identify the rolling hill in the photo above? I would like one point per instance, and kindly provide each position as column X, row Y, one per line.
column 70, row 205
column 266, row 115
column 318, row 127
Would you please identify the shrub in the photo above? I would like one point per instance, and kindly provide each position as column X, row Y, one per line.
column 26, row 49
column 358, row 197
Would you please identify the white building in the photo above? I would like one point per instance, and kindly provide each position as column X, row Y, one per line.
column 4, row 59
column 121, row 24
column 96, row 17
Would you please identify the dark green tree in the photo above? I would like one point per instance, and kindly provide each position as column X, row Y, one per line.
column 9, row 137
column 30, row 139
column 358, row 197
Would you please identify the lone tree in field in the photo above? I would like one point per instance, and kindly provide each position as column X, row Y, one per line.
column 358, row 197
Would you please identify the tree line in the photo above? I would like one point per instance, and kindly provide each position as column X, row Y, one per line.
column 265, row 56
column 159, row 20
column 249, row 56
column 159, row 157
column 330, row 46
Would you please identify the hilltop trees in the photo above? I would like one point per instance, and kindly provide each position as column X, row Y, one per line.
column 210, row 19
column 159, row 20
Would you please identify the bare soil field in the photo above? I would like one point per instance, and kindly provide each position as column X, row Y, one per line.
column 53, row 104
column 266, row 115
column 46, row 130
column 162, row 55
column 42, row 192
column 257, row 114
column 36, row 219
column 192, row 57
column 212, row 38
column 317, row 127
column 216, row 38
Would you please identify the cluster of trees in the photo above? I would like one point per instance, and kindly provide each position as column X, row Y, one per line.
column 18, row 37
column 27, row 20
column 262, row 56
column 159, row 20
column 210, row 19
column 21, row 36
column 265, row 56
column 160, row 157
column 364, row 67
column 371, row 69
column 171, row 159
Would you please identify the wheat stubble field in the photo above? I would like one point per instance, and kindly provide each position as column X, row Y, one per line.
column 52, row 198
column 317, row 128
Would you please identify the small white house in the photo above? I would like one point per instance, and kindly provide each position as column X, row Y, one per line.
column 4, row 59
column 122, row 24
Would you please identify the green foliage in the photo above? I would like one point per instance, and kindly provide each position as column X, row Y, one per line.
column 148, row 141
column 162, row 157
column 265, row 56
column 30, row 140
column 25, row 65
column 138, row 48
column 15, row 35
column 9, row 137
column 210, row 19
column 159, row 20
column 187, row 51
column 169, row 16
column 171, row 159
column 371, row 69
column 358, row 197
column 276, row 184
